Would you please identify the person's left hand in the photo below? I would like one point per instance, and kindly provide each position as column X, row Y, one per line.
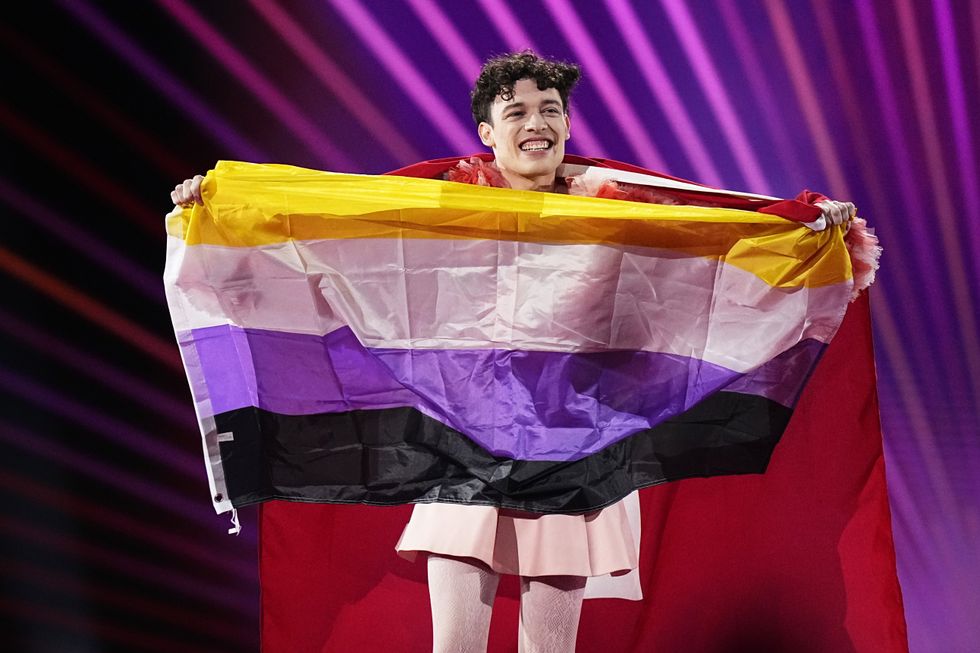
column 836, row 212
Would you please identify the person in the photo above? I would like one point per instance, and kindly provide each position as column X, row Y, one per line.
column 520, row 104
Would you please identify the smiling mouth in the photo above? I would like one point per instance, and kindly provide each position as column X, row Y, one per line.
column 536, row 145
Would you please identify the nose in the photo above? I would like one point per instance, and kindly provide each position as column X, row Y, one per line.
column 534, row 122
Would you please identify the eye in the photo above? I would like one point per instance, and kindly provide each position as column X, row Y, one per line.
column 514, row 114
column 552, row 110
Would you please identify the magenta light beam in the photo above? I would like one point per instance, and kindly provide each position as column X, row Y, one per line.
column 946, row 207
column 457, row 52
column 384, row 134
column 579, row 39
column 137, row 389
column 315, row 139
column 964, row 140
column 714, row 90
column 147, row 447
column 741, row 39
column 166, row 84
column 806, row 94
column 854, row 109
column 397, row 63
column 662, row 88
column 97, row 251
column 130, row 485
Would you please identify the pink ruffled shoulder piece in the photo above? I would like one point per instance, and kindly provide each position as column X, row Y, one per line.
column 862, row 245
column 478, row 172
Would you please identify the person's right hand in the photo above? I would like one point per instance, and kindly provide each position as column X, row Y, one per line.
column 188, row 192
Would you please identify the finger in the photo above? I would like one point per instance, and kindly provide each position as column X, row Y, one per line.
column 174, row 198
column 833, row 213
column 851, row 209
column 196, row 188
column 188, row 191
column 178, row 194
column 842, row 214
column 827, row 210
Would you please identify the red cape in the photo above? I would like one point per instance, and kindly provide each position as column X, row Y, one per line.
column 800, row 209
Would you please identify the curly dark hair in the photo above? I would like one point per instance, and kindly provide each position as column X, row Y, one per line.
column 499, row 75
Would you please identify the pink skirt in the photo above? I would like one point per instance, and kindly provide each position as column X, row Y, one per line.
column 524, row 543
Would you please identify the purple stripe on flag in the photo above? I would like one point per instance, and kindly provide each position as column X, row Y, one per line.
column 529, row 405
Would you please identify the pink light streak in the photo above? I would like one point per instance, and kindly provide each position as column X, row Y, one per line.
column 900, row 154
column 315, row 139
column 121, row 434
column 947, row 212
column 69, row 232
column 77, row 585
column 975, row 34
column 739, row 35
column 905, row 377
column 446, row 121
column 385, row 134
column 854, row 109
column 129, row 484
column 95, row 512
column 635, row 129
column 517, row 39
column 808, row 98
column 718, row 100
column 70, row 83
column 457, row 51
column 91, row 309
column 848, row 97
column 166, row 84
column 84, row 626
column 135, row 388
column 128, row 205
column 956, row 95
column 124, row 563
column 662, row 88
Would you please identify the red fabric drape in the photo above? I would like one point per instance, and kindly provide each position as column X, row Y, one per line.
column 797, row 560
column 800, row 209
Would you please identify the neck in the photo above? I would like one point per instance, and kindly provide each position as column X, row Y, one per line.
column 544, row 183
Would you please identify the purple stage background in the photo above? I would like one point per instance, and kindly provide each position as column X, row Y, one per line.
column 108, row 539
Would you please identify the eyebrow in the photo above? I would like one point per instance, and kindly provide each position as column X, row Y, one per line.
column 520, row 105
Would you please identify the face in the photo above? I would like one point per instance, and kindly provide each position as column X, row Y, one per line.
column 527, row 134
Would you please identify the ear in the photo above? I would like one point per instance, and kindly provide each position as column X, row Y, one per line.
column 568, row 127
column 485, row 130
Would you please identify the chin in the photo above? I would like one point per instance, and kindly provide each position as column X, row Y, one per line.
column 541, row 166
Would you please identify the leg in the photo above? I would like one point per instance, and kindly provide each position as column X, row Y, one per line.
column 461, row 591
column 550, row 609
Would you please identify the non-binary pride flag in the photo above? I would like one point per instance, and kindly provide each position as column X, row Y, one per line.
column 384, row 340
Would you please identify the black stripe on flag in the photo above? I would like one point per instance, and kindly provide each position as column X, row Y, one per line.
column 399, row 455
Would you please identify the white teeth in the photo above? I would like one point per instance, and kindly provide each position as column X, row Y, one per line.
column 535, row 146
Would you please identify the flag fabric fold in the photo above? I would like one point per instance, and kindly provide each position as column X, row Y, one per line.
column 385, row 339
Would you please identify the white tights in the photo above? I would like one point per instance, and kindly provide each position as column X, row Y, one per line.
column 462, row 590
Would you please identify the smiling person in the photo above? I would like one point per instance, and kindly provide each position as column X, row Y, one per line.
column 525, row 125
column 520, row 104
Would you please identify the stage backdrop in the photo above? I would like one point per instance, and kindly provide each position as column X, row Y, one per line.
column 107, row 538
